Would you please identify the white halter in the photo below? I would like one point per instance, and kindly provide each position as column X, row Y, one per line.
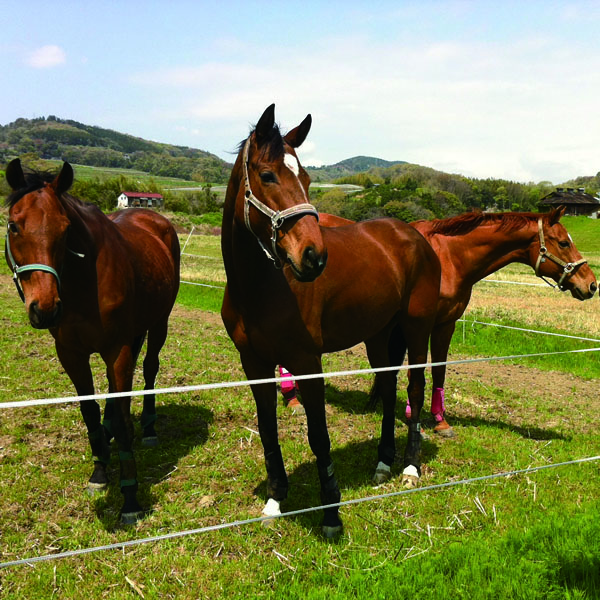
column 277, row 217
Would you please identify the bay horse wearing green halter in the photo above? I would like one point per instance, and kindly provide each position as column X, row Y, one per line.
column 99, row 284
column 474, row 245
column 296, row 290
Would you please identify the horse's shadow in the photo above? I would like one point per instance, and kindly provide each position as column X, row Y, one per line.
column 356, row 402
column 179, row 427
column 354, row 465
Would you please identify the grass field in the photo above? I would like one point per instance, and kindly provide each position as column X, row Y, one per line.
column 525, row 536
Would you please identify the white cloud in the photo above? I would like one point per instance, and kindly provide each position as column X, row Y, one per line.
column 46, row 57
column 497, row 109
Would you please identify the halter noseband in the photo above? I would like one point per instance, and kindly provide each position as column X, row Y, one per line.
column 568, row 268
column 277, row 217
column 18, row 270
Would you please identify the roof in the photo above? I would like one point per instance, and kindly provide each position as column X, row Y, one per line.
column 141, row 195
column 569, row 196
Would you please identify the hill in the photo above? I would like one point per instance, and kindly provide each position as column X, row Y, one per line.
column 348, row 167
column 53, row 138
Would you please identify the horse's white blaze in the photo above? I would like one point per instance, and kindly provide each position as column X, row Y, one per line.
column 411, row 470
column 291, row 162
column 271, row 508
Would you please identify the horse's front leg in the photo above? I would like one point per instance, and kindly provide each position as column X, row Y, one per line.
column 120, row 378
column 265, row 396
column 77, row 367
column 313, row 399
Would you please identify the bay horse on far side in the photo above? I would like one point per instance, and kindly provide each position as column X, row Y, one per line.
column 99, row 284
column 296, row 290
column 474, row 245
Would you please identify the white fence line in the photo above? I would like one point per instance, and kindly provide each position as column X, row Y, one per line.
column 228, row 525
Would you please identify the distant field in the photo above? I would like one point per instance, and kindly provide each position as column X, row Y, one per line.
column 86, row 172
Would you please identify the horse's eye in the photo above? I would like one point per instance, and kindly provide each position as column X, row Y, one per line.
column 12, row 227
column 564, row 243
column 268, row 177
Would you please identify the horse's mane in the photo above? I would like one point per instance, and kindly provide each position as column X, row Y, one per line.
column 466, row 222
column 36, row 180
column 272, row 147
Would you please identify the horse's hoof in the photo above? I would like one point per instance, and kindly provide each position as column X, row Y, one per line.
column 332, row 533
column 131, row 518
column 410, row 477
column 94, row 489
column 150, row 442
column 383, row 473
column 444, row 430
column 410, row 482
column 296, row 406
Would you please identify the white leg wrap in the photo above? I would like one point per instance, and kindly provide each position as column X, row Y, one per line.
column 271, row 508
column 383, row 467
column 411, row 470
column 382, row 473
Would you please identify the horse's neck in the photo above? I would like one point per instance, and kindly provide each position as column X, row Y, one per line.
column 249, row 271
column 486, row 249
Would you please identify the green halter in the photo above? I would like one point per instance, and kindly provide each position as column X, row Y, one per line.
column 17, row 270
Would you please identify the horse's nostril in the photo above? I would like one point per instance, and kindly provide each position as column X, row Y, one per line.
column 313, row 260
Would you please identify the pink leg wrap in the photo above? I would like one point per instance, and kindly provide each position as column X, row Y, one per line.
column 408, row 411
column 287, row 385
column 437, row 404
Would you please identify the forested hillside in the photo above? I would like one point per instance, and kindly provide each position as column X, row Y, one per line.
column 54, row 138
column 410, row 192
column 398, row 189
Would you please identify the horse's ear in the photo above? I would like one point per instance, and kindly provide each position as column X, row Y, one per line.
column 64, row 179
column 14, row 174
column 265, row 124
column 295, row 138
column 556, row 214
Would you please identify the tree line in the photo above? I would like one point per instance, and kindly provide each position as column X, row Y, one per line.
column 54, row 138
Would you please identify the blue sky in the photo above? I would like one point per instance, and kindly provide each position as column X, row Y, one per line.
column 488, row 89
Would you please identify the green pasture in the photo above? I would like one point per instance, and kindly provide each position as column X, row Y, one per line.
column 525, row 536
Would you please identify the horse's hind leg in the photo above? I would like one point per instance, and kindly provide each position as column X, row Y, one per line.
column 383, row 351
column 120, row 378
column 156, row 340
column 440, row 342
column 78, row 369
column 417, row 334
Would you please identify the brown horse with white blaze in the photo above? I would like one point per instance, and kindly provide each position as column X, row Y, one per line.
column 100, row 285
column 296, row 291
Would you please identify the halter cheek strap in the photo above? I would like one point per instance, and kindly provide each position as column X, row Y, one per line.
column 568, row 268
column 277, row 217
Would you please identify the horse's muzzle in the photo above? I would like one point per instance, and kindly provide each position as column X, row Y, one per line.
column 44, row 319
column 580, row 293
column 312, row 265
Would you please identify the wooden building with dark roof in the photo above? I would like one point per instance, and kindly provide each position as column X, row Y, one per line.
column 576, row 201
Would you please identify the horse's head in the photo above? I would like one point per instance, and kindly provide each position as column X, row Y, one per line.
column 559, row 259
column 272, row 199
column 36, row 240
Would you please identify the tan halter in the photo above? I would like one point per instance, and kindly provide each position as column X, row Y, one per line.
column 277, row 217
column 568, row 268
